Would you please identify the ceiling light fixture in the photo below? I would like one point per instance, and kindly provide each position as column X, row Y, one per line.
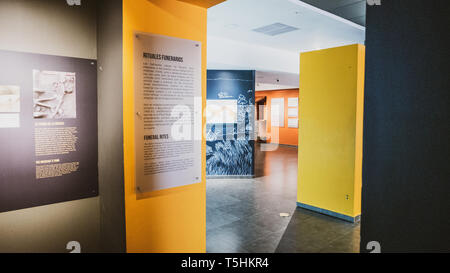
column 275, row 29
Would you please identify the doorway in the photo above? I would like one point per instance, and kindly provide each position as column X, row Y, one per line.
column 261, row 213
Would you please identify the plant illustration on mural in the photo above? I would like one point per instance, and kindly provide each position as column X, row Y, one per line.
column 230, row 141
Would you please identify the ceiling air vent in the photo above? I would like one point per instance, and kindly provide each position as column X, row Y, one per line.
column 275, row 29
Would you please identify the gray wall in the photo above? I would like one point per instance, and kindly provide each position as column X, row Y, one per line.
column 50, row 27
column 406, row 189
column 110, row 120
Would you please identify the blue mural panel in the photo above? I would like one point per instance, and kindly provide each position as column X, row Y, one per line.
column 230, row 146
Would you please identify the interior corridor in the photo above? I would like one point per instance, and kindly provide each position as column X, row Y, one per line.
column 243, row 215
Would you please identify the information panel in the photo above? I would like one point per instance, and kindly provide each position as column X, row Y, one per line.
column 277, row 112
column 168, row 112
column 48, row 130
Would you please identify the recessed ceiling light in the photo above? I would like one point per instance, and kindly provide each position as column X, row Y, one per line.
column 275, row 29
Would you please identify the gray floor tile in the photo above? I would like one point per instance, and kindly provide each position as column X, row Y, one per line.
column 217, row 218
column 243, row 214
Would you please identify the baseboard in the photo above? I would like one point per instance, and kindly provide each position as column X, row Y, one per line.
column 284, row 145
column 230, row 176
column 347, row 218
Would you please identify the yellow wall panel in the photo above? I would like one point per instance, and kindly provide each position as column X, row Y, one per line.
column 359, row 129
column 330, row 133
column 171, row 220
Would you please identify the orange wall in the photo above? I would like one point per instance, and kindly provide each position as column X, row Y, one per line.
column 171, row 220
column 288, row 136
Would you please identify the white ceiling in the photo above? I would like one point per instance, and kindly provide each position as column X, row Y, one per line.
column 318, row 29
column 274, row 80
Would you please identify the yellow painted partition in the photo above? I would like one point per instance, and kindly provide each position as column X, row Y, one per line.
column 331, row 131
column 171, row 220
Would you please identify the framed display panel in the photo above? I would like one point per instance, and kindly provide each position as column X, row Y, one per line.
column 277, row 112
column 168, row 112
column 49, row 151
column 292, row 123
column 292, row 112
column 292, row 102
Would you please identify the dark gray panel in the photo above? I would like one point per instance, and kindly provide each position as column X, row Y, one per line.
column 110, row 119
column 353, row 10
column 330, row 5
column 406, row 189
column 19, row 187
column 350, row 11
column 361, row 20
column 41, row 27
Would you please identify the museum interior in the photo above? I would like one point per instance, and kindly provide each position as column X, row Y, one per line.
column 222, row 126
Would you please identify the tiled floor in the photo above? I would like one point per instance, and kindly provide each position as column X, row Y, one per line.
column 309, row 232
column 243, row 215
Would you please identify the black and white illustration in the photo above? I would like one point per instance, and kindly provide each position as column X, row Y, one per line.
column 54, row 95
column 9, row 99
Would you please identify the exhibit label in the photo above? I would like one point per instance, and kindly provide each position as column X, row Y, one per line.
column 48, row 130
column 168, row 107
